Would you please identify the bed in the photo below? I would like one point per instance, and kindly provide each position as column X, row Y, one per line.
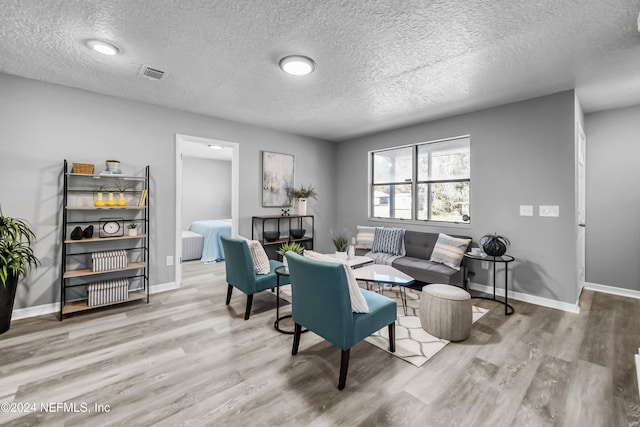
column 211, row 230
column 192, row 244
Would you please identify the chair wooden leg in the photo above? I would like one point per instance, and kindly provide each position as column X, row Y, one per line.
column 229, row 290
column 344, row 367
column 247, row 311
column 392, row 337
column 297, row 331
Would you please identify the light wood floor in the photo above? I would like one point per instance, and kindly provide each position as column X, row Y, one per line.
column 187, row 359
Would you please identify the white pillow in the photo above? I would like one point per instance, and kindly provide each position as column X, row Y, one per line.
column 364, row 238
column 358, row 303
column 259, row 256
column 449, row 250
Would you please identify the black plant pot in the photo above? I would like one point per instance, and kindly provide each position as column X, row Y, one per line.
column 7, row 297
column 494, row 247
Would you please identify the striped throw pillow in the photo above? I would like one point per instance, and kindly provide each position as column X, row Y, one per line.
column 364, row 238
column 449, row 250
column 259, row 256
column 388, row 240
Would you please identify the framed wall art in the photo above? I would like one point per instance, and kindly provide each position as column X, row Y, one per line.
column 277, row 176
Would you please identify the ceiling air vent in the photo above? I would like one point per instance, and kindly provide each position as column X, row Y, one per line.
column 151, row 73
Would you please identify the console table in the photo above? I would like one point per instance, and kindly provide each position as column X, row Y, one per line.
column 283, row 225
column 504, row 259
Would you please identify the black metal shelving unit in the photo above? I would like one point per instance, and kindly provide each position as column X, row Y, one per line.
column 282, row 224
column 78, row 210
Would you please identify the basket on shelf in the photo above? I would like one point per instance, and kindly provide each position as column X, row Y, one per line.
column 82, row 168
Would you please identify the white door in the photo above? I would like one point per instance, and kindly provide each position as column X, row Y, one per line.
column 581, row 223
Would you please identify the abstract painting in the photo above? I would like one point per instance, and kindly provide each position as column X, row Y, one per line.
column 277, row 177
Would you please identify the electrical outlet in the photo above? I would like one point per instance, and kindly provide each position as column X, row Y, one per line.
column 484, row 265
column 553, row 211
column 526, row 210
column 169, row 260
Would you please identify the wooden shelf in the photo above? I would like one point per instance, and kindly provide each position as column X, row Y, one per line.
column 95, row 208
column 280, row 241
column 98, row 176
column 106, row 239
column 87, row 271
column 76, row 306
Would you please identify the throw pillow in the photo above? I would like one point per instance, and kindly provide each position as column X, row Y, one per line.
column 388, row 240
column 364, row 238
column 358, row 303
column 259, row 256
column 449, row 250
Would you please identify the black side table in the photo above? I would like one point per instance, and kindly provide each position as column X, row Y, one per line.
column 280, row 272
column 504, row 259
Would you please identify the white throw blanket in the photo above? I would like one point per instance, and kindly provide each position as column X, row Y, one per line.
column 381, row 257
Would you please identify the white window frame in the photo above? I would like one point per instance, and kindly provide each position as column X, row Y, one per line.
column 414, row 186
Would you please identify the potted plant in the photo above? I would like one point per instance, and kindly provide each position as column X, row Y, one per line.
column 133, row 229
column 341, row 243
column 121, row 189
column 113, row 165
column 302, row 194
column 494, row 244
column 16, row 259
column 289, row 246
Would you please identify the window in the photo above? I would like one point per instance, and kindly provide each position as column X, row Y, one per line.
column 428, row 181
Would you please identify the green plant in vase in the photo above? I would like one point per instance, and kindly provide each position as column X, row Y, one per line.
column 301, row 195
column 16, row 259
column 340, row 241
column 289, row 247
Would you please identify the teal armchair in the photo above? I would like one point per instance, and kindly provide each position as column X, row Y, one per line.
column 321, row 303
column 241, row 275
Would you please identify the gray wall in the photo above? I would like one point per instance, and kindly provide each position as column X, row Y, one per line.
column 206, row 189
column 522, row 153
column 613, row 199
column 42, row 124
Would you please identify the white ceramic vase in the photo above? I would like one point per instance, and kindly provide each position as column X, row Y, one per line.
column 302, row 206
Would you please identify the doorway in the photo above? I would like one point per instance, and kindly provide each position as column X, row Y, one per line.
column 198, row 147
column 581, row 220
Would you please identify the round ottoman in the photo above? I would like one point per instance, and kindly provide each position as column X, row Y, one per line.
column 445, row 312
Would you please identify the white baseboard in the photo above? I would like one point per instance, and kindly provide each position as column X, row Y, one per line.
column 54, row 307
column 612, row 290
column 163, row 287
column 38, row 310
column 532, row 299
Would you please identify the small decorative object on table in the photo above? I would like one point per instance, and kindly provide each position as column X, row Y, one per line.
column 133, row 229
column 302, row 194
column 271, row 236
column 297, row 233
column 289, row 246
column 494, row 244
column 285, row 212
column 341, row 242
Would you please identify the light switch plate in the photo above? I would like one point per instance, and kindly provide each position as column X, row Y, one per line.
column 526, row 210
column 552, row 210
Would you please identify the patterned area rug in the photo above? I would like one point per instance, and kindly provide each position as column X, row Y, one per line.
column 413, row 344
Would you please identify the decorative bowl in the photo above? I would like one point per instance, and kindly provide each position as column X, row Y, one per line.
column 297, row 233
column 271, row 236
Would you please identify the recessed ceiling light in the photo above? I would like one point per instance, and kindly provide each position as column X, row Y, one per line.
column 103, row 47
column 215, row 147
column 297, row 65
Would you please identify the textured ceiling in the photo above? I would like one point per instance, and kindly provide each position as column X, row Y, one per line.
column 380, row 63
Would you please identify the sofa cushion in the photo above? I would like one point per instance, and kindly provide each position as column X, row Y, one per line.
column 418, row 244
column 449, row 250
column 364, row 237
column 427, row 271
column 389, row 240
column 259, row 257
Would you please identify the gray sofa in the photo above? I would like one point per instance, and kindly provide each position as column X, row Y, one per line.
column 418, row 246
